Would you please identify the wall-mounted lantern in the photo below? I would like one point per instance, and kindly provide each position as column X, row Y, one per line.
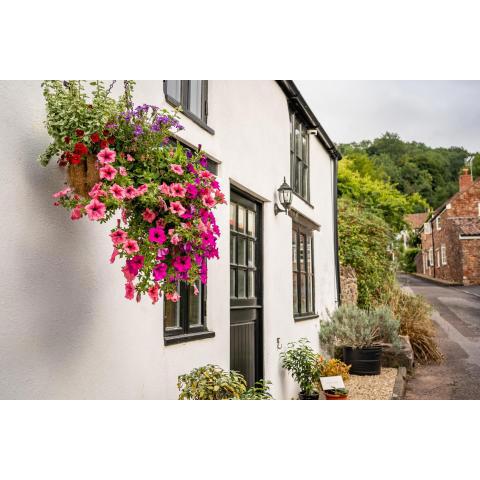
column 285, row 198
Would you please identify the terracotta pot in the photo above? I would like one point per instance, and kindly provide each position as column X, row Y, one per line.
column 82, row 177
column 331, row 396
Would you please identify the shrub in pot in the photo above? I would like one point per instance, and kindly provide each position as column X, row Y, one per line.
column 332, row 368
column 301, row 361
column 360, row 334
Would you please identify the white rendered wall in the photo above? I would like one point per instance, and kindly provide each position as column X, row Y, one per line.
column 65, row 329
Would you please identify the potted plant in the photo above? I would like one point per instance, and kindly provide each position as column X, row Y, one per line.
column 333, row 367
column 336, row 394
column 301, row 361
column 360, row 334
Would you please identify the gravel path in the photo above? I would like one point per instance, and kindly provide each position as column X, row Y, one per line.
column 372, row 387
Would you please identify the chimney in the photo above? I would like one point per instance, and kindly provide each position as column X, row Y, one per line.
column 465, row 179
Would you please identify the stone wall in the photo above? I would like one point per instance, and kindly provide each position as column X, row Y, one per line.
column 348, row 285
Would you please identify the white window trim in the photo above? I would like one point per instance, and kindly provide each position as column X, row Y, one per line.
column 430, row 257
column 437, row 223
column 438, row 257
column 443, row 254
column 427, row 228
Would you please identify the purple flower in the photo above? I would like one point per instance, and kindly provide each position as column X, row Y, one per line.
column 191, row 168
column 192, row 190
column 159, row 271
column 203, row 161
column 188, row 153
column 138, row 130
column 162, row 253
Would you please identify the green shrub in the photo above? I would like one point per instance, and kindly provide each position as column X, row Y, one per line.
column 407, row 259
column 260, row 391
column 352, row 326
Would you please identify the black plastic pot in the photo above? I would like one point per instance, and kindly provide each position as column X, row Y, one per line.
column 364, row 361
column 313, row 396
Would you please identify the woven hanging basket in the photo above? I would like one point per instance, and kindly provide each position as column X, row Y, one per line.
column 84, row 176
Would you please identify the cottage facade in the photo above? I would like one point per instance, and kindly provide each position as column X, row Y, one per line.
column 67, row 331
column 451, row 237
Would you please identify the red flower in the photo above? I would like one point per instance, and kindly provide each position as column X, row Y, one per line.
column 103, row 144
column 79, row 132
column 80, row 149
column 105, row 133
column 94, row 137
column 111, row 140
column 67, row 139
column 75, row 159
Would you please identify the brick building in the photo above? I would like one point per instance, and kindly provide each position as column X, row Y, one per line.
column 450, row 239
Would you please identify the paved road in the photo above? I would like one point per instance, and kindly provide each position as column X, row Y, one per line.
column 457, row 316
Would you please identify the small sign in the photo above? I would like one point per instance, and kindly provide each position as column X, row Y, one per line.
column 332, row 382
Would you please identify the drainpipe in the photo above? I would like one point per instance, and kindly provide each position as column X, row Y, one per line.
column 433, row 248
column 335, row 159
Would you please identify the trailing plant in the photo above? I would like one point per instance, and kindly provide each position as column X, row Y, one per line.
column 122, row 159
column 301, row 361
column 351, row 326
column 211, row 383
column 414, row 314
column 332, row 367
column 337, row 391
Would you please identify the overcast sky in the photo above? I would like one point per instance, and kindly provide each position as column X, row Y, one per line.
column 437, row 113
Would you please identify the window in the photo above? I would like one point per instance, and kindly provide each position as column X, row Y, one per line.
column 427, row 228
column 302, row 269
column 192, row 96
column 185, row 320
column 438, row 257
column 430, row 257
column 299, row 158
column 437, row 223
column 443, row 251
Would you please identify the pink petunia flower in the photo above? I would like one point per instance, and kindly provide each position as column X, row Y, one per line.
column 153, row 294
column 114, row 255
column 176, row 169
column 108, row 172
column 95, row 210
column 177, row 190
column 117, row 191
column 159, row 271
column 176, row 239
column 77, row 213
column 96, row 191
column 106, row 156
column 142, row 189
column 118, row 236
column 173, row 297
column 131, row 246
column 148, row 215
column 177, row 208
column 129, row 291
column 162, row 253
column 62, row 193
column 130, row 192
column 130, row 158
column 127, row 274
column 205, row 174
column 122, row 171
column 195, row 290
column 208, row 201
column 156, row 235
column 164, row 188
column 163, row 205
column 124, row 216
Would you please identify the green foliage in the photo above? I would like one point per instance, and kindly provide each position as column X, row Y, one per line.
column 476, row 166
column 351, row 326
column 211, row 383
column 260, row 391
column 301, row 361
column 364, row 240
column 407, row 259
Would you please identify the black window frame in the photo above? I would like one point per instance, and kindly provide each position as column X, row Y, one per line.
column 299, row 230
column 299, row 187
column 184, row 102
column 186, row 332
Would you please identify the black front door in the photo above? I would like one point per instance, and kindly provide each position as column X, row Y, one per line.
column 246, row 287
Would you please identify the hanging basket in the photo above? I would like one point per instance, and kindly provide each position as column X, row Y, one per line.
column 84, row 176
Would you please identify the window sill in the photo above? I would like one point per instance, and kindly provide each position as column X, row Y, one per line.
column 190, row 337
column 303, row 199
column 301, row 318
column 190, row 115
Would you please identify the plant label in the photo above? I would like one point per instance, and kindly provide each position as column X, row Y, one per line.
column 332, row 382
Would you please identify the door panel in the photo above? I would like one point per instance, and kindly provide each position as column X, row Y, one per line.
column 246, row 355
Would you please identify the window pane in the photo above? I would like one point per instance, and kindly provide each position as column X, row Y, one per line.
column 309, row 294
column 309, row 254
column 242, row 278
column 302, row 252
column 295, row 294
column 242, row 251
column 305, row 148
column 233, row 215
column 195, row 97
column 292, row 136
column 241, row 219
column 194, row 307
column 173, row 89
column 251, row 223
column 233, row 248
column 251, row 284
column 305, row 182
column 251, row 253
column 303, row 292
column 298, row 177
column 294, row 251
column 232, row 282
column 172, row 315
column 298, row 140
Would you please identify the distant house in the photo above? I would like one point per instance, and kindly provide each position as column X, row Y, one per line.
column 415, row 222
column 451, row 237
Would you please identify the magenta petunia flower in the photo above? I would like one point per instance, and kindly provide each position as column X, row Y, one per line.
column 118, row 236
column 182, row 264
column 157, row 235
column 129, row 291
column 192, row 190
column 148, row 215
column 95, row 210
column 159, row 271
column 117, row 191
column 62, row 193
column 176, row 169
column 177, row 190
column 106, row 156
column 108, row 172
column 177, row 208
column 135, row 264
column 131, row 246
column 162, row 253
